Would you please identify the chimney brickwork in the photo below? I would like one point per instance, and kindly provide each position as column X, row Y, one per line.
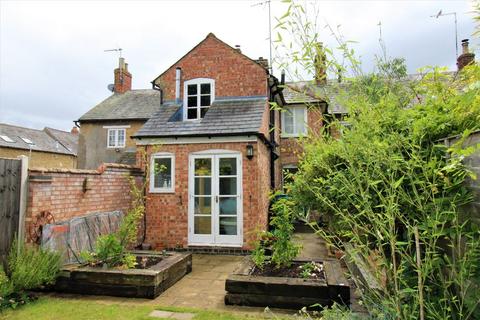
column 123, row 78
column 320, row 64
column 466, row 57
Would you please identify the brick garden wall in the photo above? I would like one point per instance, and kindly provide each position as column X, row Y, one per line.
column 167, row 213
column 61, row 191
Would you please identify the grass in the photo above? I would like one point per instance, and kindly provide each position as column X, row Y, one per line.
column 48, row 308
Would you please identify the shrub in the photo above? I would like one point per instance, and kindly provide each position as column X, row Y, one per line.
column 28, row 268
column 279, row 240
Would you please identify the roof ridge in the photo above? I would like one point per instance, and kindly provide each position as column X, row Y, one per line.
column 21, row 127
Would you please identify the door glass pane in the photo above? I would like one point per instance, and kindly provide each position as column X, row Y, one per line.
column 203, row 205
column 163, row 173
column 202, row 225
column 203, row 186
column 228, row 166
column 192, row 89
column 228, row 186
column 203, row 167
column 228, row 226
column 228, row 206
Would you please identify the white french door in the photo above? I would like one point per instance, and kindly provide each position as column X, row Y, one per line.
column 215, row 199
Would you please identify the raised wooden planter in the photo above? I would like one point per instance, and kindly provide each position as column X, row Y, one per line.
column 138, row 283
column 291, row 293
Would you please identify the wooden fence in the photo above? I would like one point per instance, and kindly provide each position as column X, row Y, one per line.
column 11, row 204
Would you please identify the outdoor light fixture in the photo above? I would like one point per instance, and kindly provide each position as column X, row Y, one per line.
column 249, row 151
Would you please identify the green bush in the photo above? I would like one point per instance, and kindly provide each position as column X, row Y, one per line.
column 29, row 268
column 279, row 240
column 392, row 188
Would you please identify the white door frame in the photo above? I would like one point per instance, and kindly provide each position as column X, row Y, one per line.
column 215, row 239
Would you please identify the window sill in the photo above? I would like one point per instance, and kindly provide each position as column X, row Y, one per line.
column 115, row 147
column 171, row 191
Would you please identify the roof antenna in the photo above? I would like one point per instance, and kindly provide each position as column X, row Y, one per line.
column 119, row 50
column 111, row 86
column 441, row 14
column 382, row 43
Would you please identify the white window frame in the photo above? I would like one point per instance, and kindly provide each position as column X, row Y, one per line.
column 198, row 82
column 305, row 119
column 162, row 155
column 116, row 130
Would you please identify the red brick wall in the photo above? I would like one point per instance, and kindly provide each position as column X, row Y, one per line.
column 234, row 73
column 60, row 191
column 167, row 213
column 291, row 149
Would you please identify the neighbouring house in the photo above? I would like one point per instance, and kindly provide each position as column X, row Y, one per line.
column 105, row 130
column 47, row 148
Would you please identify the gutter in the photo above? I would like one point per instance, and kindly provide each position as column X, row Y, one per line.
column 259, row 135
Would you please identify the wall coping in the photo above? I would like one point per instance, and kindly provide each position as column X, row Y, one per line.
column 101, row 169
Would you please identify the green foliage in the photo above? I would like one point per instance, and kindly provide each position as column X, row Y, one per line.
column 279, row 241
column 28, row 268
column 390, row 175
column 308, row 269
column 391, row 185
column 112, row 249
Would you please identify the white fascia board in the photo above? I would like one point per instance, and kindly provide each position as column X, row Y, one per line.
column 191, row 140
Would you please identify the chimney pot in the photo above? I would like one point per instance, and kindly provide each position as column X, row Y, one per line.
column 320, row 64
column 74, row 130
column 123, row 78
column 466, row 57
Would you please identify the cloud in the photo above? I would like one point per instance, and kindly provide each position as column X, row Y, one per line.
column 53, row 67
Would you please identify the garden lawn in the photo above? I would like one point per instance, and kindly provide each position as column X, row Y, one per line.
column 47, row 308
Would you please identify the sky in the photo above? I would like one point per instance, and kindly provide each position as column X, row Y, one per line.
column 54, row 68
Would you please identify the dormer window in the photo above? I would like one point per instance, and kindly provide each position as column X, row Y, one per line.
column 199, row 95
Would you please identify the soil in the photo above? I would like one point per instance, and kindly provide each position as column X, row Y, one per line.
column 145, row 262
column 294, row 271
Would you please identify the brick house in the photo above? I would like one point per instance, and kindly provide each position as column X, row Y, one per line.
column 212, row 141
column 105, row 130
column 215, row 148
column 47, row 148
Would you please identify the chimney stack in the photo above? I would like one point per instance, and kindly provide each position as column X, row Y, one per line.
column 123, row 78
column 74, row 131
column 320, row 64
column 263, row 62
column 466, row 57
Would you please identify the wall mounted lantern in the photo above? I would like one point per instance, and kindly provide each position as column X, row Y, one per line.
column 249, row 151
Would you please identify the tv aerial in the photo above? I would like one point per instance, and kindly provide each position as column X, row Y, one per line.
column 454, row 14
column 119, row 50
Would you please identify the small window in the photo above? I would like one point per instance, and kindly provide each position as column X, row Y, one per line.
column 162, row 173
column 199, row 95
column 116, row 138
column 294, row 121
column 6, row 138
column 26, row 140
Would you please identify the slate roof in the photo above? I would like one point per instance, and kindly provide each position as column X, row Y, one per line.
column 309, row 92
column 226, row 116
column 42, row 141
column 133, row 104
column 67, row 139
